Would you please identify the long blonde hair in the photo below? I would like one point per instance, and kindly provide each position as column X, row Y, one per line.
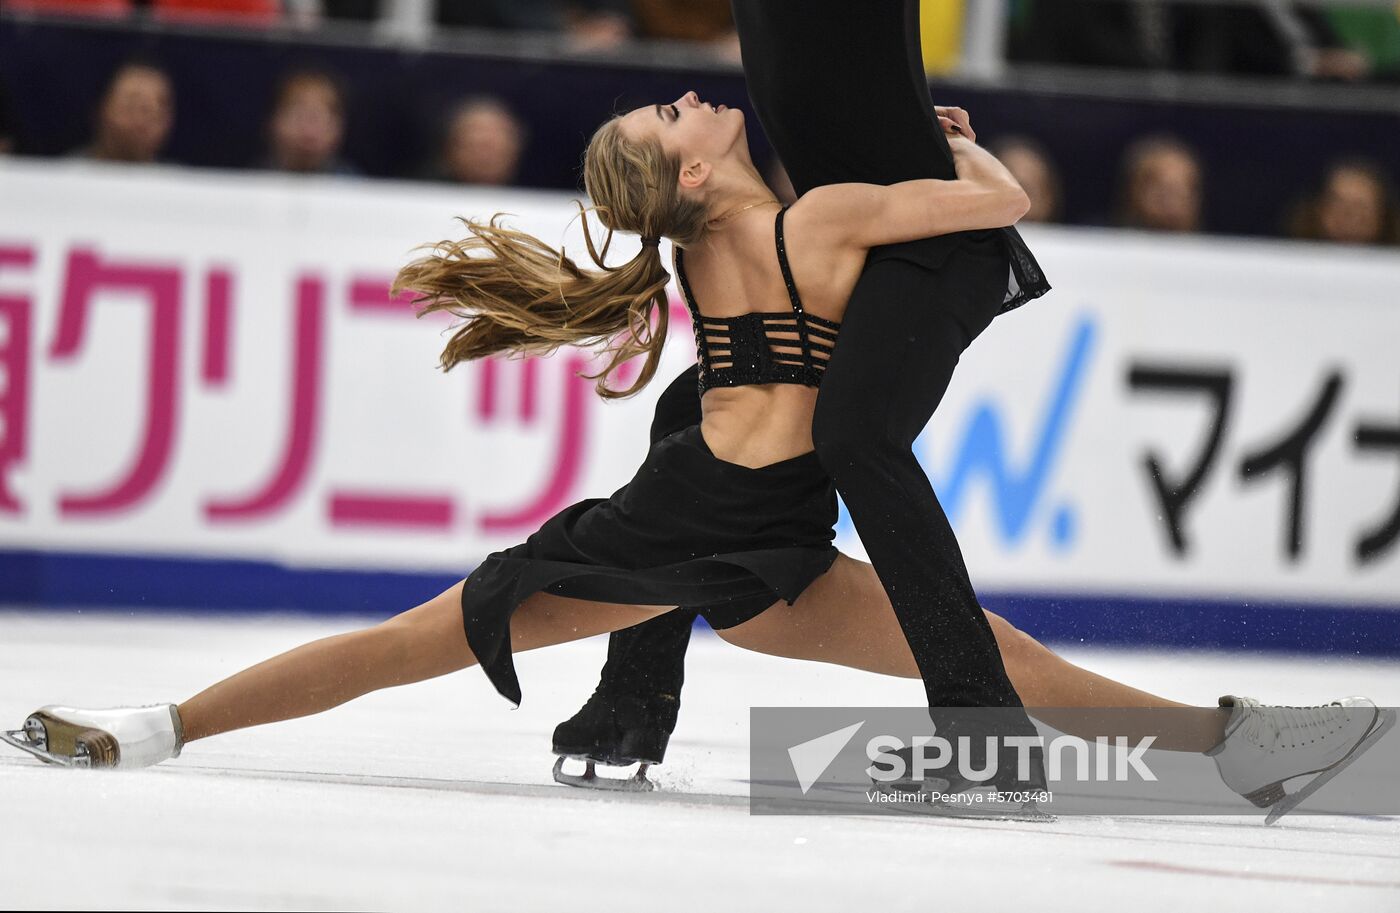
column 519, row 295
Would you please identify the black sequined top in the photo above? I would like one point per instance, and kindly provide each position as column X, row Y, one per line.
column 761, row 347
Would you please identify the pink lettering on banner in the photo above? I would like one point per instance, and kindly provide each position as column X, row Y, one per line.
column 218, row 333
column 14, row 377
column 567, row 447
column 678, row 315
column 370, row 295
column 488, row 392
column 388, row 510
column 626, row 373
column 88, row 276
column 529, row 389
column 571, row 439
column 303, row 413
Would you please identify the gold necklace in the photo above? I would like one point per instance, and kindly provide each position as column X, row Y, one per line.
column 731, row 214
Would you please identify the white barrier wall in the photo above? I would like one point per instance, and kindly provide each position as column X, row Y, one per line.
column 199, row 364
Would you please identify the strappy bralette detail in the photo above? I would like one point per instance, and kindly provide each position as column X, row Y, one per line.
column 761, row 347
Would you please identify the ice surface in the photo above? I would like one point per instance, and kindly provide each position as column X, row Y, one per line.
column 438, row 797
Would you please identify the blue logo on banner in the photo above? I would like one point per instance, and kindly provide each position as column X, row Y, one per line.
column 1015, row 491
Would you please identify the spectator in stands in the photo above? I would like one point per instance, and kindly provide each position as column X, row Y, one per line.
column 1355, row 206
column 591, row 25
column 1267, row 37
column 597, row 25
column 710, row 22
column 8, row 140
column 307, row 125
column 484, row 143
column 134, row 116
column 1033, row 169
column 1372, row 31
column 1161, row 186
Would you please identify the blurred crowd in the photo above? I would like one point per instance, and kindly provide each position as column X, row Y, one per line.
column 483, row 140
column 1161, row 184
column 1256, row 37
column 587, row 25
column 1245, row 37
column 1161, row 188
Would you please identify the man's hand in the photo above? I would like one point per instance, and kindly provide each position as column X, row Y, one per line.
column 955, row 122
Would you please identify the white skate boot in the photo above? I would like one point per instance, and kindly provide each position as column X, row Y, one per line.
column 1266, row 745
column 122, row 737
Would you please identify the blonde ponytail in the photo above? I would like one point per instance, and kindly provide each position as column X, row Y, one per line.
column 519, row 295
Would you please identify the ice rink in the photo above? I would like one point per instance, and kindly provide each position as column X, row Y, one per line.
column 438, row 797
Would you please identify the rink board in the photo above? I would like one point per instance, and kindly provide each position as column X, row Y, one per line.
column 72, row 581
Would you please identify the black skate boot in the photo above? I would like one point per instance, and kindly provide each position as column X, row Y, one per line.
column 633, row 711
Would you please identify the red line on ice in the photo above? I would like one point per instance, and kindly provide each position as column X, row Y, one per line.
column 1250, row 876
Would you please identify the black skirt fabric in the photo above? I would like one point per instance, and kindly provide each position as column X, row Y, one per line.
column 690, row 530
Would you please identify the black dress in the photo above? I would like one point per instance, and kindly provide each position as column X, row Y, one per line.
column 690, row 529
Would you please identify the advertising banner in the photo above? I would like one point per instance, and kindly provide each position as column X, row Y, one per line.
column 203, row 379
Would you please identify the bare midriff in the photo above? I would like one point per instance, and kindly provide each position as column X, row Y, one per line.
column 758, row 424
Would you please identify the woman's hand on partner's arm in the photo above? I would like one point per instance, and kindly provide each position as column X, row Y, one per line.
column 955, row 121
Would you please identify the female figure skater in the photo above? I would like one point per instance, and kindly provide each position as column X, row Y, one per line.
column 843, row 97
column 733, row 516
column 728, row 516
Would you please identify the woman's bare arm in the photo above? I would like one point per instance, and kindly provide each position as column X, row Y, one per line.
column 985, row 195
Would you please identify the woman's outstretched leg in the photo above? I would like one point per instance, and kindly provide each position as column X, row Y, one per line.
column 421, row 643
column 845, row 618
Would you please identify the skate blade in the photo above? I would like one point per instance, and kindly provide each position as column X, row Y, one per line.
column 589, row 779
column 19, row 738
column 1386, row 720
column 55, row 740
